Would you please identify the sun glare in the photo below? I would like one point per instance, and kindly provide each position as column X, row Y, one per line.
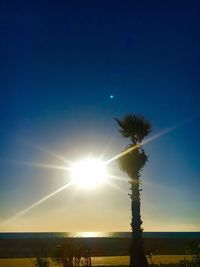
column 88, row 173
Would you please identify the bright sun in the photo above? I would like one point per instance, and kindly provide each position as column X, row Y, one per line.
column 88, row 173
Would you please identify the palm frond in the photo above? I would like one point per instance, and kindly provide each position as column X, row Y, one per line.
column 135, row 127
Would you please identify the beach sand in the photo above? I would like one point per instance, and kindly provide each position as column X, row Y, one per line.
column 96, row 261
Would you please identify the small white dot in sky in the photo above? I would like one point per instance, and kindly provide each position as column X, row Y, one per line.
column 111, row 96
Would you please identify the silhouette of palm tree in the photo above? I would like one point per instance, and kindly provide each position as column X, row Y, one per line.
column 136, row 128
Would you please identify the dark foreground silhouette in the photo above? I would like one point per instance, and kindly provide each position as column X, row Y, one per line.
column 99, row 246
column 132, row 162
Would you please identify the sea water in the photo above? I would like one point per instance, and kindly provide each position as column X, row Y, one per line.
column 31, row 235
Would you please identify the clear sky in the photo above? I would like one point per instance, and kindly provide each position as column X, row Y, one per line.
column 59, row 64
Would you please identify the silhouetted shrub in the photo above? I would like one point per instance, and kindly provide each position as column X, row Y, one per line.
column 41, row 262
column 70, row 254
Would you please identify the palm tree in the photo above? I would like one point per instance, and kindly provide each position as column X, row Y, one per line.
column 132, row 162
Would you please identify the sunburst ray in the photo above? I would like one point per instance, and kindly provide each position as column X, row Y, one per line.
column 23, row 212
column 47, row 151
column 148, row 140
column 48, row 166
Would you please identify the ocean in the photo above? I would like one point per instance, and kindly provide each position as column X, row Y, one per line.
column 19, row 245
column 38, row 235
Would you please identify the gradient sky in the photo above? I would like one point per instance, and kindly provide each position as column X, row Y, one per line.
column 59, row 64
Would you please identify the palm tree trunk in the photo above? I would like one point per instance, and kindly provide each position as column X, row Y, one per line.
column 137, row 253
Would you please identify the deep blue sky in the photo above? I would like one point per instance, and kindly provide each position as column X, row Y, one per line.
column 59, row 64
